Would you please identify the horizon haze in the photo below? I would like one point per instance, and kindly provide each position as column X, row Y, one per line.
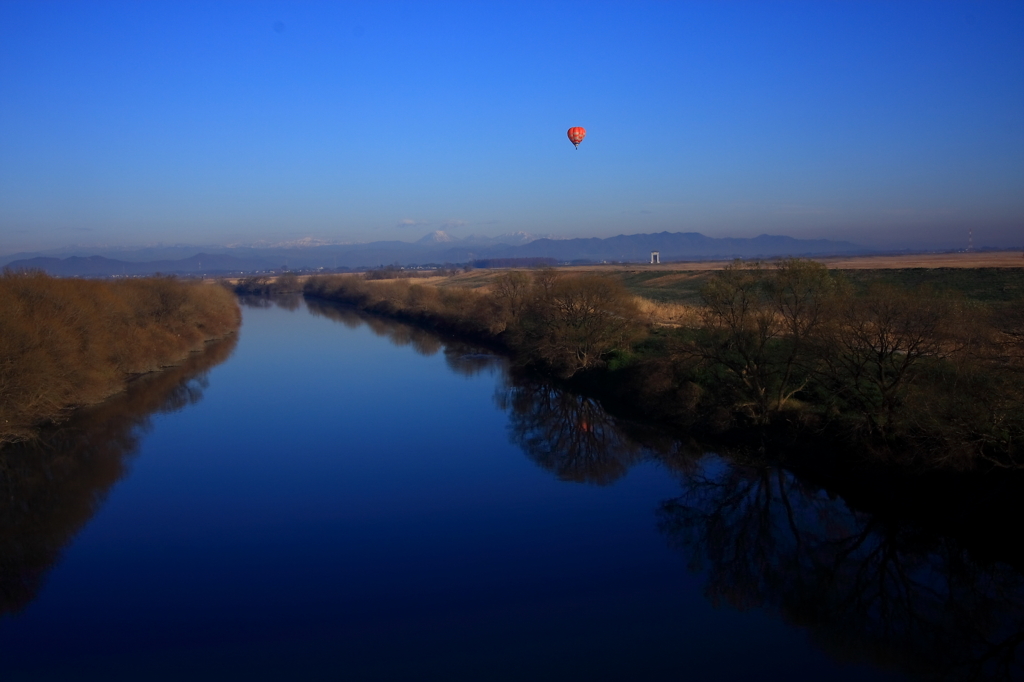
column 894, row 126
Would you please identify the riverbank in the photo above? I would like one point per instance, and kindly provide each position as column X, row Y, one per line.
column 908, row 377
column 71, row 342
column 583, row 430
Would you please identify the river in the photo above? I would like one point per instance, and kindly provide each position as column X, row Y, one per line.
column 332, row 496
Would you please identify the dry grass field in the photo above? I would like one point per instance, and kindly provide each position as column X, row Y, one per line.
column 998, row 259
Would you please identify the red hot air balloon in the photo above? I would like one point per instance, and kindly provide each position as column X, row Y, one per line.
column 576, row 135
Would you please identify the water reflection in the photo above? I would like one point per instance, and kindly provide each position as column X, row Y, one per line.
column 51, row 487
column 469, row 361
column 422, row 341
column 567, row 434
column 289, row 302
column 866, row 588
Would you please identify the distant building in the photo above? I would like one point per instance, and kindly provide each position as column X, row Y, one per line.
column 655, row 257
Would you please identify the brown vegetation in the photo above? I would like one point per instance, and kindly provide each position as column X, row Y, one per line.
column 667, row 314
column 70, row 342
column 566, row 323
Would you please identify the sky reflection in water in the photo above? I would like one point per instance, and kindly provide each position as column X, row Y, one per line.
column 330, row 505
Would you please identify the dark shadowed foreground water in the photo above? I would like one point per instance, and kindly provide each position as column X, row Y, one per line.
column 340, row 497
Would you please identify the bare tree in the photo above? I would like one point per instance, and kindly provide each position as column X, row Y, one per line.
column 511, row 290
column 739, row 327
column 872, row 346
column 802, row 294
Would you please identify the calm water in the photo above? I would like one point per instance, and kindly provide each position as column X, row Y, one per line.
column 342, row 498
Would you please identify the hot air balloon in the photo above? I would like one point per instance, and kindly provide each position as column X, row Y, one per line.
column 576, row 135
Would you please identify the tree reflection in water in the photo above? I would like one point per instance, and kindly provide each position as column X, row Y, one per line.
column 51, row 487
column 289, row 302
column 866, row 588
column 461, row 358
column 566, row 433
column 469, row 361
column 422, row 341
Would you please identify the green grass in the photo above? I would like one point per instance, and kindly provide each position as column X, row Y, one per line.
column 987, row 285
column 683, row 290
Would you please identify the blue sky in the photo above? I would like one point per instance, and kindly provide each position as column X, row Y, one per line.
column 891, row 124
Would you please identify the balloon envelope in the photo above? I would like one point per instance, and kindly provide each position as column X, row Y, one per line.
column 576, row 135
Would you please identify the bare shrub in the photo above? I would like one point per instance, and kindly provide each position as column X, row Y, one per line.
column 756, row 326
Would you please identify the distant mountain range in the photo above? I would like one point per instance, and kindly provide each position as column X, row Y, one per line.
column 434, row 248
column 100, row 266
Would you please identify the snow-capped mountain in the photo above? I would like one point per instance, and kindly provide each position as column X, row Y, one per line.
column 436, row 237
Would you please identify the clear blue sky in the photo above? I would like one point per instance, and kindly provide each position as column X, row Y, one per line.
column 885, row 123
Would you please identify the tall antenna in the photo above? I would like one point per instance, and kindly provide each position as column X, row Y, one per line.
column 970, row 240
